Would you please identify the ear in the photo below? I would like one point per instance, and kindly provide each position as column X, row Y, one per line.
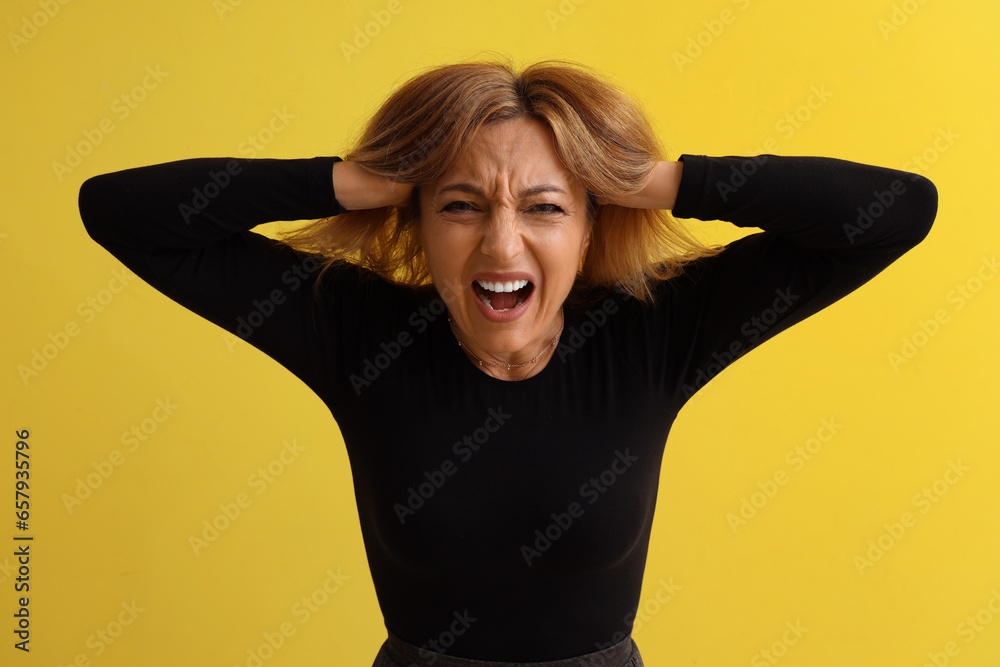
column 586, row 245
column 591, row 224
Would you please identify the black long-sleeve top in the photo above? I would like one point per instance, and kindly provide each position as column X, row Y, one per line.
column 516, row 512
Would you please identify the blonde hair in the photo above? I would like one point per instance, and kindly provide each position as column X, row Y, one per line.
column 601, row 135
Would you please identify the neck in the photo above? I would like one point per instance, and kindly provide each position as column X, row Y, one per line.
column 513, row 368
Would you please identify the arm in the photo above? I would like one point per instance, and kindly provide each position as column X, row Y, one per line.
column 359, row 188
column 829, row 226
column 660, row 190
column 184, row 228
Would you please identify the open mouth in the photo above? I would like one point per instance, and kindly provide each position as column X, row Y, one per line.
column 501, row 297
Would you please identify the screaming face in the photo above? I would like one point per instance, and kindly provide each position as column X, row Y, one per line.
column 504, row 232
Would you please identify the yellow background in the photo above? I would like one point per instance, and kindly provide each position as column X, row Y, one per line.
column 228, row 67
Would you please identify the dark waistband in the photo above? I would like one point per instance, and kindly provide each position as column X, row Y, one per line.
column 408, row 655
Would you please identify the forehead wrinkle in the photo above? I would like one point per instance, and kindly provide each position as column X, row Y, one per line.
column 504, row 156
column 534, row 175
column 524, row 194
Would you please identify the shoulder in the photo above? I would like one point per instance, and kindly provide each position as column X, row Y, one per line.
column 362, row 291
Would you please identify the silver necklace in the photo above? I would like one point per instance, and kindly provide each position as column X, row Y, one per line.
column 508, row 366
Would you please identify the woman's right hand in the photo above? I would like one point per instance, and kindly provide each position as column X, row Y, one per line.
column 660, row 190
column 357, row 188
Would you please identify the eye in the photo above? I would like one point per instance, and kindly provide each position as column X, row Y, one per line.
column 468, row 207
column 458, row 206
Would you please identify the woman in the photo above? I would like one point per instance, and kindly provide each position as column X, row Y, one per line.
column 507, row 325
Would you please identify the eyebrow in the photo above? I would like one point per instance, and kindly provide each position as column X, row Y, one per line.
column 471, row 189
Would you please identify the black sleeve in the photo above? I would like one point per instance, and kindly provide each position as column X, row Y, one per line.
column 183, row 227
column 829, row 226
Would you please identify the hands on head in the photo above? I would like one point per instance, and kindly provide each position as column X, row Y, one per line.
column 659, row 192
column 357, row 188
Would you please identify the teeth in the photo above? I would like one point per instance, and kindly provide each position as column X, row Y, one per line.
column 510, row 286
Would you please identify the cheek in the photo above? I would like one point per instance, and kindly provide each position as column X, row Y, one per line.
column 572, row 248
column 446, row 255
column 431, row 241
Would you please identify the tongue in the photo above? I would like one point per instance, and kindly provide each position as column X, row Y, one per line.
column 502, row 300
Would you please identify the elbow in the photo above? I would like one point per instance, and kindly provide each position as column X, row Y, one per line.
column 92, row 202
column 923, row 206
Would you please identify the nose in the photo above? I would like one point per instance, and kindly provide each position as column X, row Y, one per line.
column 502, row 238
